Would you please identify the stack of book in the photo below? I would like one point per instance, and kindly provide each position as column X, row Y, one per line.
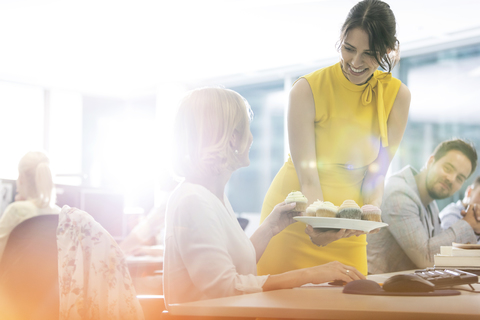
column 459, row 256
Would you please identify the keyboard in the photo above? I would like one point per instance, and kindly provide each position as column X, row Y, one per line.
column 447, row 277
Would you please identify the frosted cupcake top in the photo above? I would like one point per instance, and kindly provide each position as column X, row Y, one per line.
column 296, row 196
column 368, row 208
column 327, row 205
column 314, row 206
column 349, row 204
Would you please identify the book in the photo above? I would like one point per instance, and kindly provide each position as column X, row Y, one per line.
column 456, row 261
column 457, row 252
column 446, row 250
column 472, row 246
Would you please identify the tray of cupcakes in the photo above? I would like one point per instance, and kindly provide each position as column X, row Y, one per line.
column 326, row 215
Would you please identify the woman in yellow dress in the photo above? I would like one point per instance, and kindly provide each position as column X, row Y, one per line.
column 345, row 123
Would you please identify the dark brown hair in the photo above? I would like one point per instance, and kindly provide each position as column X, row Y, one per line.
column 375, row 18
column 465, row 147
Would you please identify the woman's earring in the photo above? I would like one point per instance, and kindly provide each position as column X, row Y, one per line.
column 236, row 151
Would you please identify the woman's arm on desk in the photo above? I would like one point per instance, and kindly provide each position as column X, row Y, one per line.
column 279, row 219
column 326, row 272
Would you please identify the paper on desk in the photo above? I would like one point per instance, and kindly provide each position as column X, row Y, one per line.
column 316, row 285
column 152, row 259
column 379, row 278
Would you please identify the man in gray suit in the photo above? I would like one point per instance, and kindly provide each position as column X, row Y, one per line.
column 414, row 234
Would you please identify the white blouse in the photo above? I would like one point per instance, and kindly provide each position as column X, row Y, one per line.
column 207, row 254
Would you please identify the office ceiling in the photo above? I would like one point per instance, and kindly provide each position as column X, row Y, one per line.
column 126, row 47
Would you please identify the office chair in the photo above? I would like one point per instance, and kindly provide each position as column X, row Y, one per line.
column 32, row 286
column 94, row 280
column 29, row 271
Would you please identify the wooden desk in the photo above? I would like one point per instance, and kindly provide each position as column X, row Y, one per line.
column 331, row 303
column 144, row 265
column 147, row 274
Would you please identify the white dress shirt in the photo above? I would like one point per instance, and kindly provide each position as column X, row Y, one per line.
column 414, row 234
column 451, row 214
column 207, row 254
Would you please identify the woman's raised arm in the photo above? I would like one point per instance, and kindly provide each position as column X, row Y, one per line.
column 372, row 188
column 301, row 137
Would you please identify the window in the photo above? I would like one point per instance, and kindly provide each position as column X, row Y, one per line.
column 249, row 185
column 22, row 118
column 445, row 95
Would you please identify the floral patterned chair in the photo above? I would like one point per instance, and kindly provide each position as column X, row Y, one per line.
column 93, row 277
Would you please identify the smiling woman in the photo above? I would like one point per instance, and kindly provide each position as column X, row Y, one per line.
column 348, row 120
column 358, row 61
column 368, row 40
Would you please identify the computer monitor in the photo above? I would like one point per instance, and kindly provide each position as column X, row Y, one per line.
column 68, row 195
column 8, row 189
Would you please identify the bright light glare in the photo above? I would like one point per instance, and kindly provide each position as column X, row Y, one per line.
column 126, row 150
column 168, row 98
column 21, row 114
column 65, row 136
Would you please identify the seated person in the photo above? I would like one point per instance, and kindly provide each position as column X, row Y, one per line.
column 457, row 210
column 146, row 239
column 35, row 194
column 139, row 240
column 152, row 226
column 207, row 254
column 414, row 234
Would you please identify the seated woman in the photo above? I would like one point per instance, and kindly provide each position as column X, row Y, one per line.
column 35, row 194
column 151, row 227
column 207, row 254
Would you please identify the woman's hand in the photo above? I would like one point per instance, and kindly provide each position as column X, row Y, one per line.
column 332, row 271
column 322, row 238
column 319, row 274
column 281, row 217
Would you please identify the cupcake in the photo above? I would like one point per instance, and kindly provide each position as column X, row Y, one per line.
column 299, row 198
column 371, row 213
column 327, row 209
column 312, row 209
column 349, row 210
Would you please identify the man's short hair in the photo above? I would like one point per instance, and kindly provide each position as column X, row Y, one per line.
column 465, row 147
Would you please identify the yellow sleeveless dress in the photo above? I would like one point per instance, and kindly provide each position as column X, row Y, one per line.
column 350, row 124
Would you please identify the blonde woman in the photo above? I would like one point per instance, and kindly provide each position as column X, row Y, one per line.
column 207, row 254
column 35, row 194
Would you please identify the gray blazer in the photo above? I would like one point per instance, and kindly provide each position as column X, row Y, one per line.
column 414, row 234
